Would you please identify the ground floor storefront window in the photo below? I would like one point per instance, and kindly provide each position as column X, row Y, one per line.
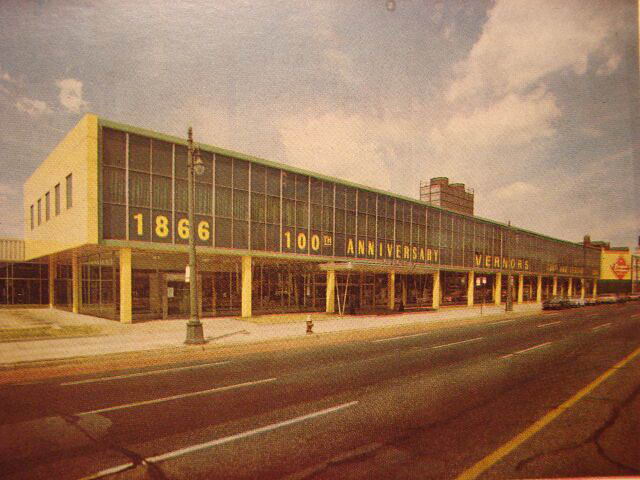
column 529, row 288
column 415, row 291
column 505, row 286
column 24, row 283
column 454, row 288
column 547, row 287
column 99, row 283
column 288, row 288
column 484, row 287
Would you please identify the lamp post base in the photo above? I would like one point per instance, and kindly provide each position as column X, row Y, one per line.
column 195, row 334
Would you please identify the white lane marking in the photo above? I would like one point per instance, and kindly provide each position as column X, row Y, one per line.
column 636, row 315
column 248, row 433
column 400, row 337
column 550, row 323
column 604, row 325
column 175, row 397
column 502, row 321
column 526, row 350
column 142, row 374
column 109, row 471
column 458, row 343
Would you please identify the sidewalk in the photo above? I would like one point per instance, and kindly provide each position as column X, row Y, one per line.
column 158, row 334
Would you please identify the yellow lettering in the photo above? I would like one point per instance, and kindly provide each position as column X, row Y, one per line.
column 203, row 231
column 162, row 226
column 478, row 260
column 315, row 243
column 287, row 236
column 389, row 250
column 371, row 249
column 138, row 218
column 350, row 247
column 360, row 247
column 414, row 253
column 398, row 251
column 436, row 252
column 526, row 264
column 496, row 262
column 512, row 263
column 519, row 264
column 406, row 252
column 302, row 241
column 429, row 254
column 422, row 253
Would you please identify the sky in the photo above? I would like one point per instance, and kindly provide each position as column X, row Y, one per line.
column 534, row 105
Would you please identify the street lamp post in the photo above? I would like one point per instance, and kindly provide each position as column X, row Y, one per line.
column 195, row 334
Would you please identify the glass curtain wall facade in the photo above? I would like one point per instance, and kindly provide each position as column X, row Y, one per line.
column 245, row 204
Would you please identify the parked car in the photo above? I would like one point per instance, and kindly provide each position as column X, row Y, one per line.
column 633, row 297
column 555, row 303
column 607, row 298
column 576, row 302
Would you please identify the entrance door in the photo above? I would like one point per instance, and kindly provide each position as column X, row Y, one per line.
column 177, row 298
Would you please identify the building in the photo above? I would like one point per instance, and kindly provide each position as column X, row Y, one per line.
column 618, row 267
column 450, row 196
column 106, row 214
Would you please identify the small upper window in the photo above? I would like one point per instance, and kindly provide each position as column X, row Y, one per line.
column 39, row 211
column 69, row 191
column 47, row 206
column 57, row 199
column 32, row 219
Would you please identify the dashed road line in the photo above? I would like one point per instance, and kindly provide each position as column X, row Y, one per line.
column 502, row 321
column 223, row 440
column 637, row 315
column 400, row 337
column 604, row 325
column 457, row 343
column 142, row 374
column 548, row 324
column 526, row 350
column 176, row 397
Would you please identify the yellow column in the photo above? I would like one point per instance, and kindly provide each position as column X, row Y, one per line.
column 570, row 291
column 582, row 288
column 391, row 290
column 520, row 288
column 52, row 281
column 497, row 289
column 331, row 292
column 404, row 290
column 126, row 315
column 555, row 285
column 470, row 288
column 75, row 283
column 246, row 286
column 436, row 290
column 539, row 290
column 595, row 287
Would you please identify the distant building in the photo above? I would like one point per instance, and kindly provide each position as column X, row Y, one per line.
column 618, row 267
column 450, row 196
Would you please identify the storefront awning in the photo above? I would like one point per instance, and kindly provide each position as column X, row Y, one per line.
column 376, row 267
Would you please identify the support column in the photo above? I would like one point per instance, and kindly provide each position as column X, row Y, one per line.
column 75, row 283
column 570, row 288
column 539, row 290
column 470, row 288
column 404, row 291
column 498, row 289
column 582, row 288
column 391, row 290
column 247, row 282
column 126, row 314
column 595, row 287
column 52, row 281
column 331, row 292
column 555, row 285
column 436, row 290
column 520, row 288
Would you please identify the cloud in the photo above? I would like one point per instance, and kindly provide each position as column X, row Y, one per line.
column 523, row 42
column 71, row 95
column 519, row 191
column 33, row 108
column 513, row 120
column 351, row 146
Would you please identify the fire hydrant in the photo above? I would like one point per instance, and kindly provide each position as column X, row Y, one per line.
column 309, row 324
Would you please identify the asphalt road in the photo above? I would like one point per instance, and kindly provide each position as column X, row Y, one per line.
column 495, row 400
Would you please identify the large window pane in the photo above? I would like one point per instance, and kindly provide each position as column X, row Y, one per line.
column 139, row 153
column 161, row 196
column 113, row 147
column 139, row 189
column 113, row 186
column 162, row 162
